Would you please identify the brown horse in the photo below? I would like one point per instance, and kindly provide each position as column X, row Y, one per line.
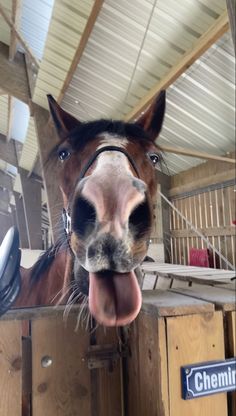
column 108, row 183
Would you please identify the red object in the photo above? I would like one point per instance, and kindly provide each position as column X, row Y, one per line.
column 200, row 258
column 234, row 222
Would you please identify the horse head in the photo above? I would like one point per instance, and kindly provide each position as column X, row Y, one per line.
column 108, row 184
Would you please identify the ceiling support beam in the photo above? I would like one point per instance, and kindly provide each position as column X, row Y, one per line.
column 82, row 44
column 10, row 117
column 8, row 151
column 46, row 141
column 6, row 181
column 13, row 75
column 218, row 28
column 18, row 36
column 15, row 17
column 195, row 153
column 32, row 201
column 21, row 221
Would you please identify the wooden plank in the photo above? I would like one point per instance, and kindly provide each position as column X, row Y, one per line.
column 13, row 76
column 218, row 28
column 47, row 139
column 147, row 368
column 194, row 339
column 222, row 299
column 168, row 303
column 82, row 44
column 10, row 117
column 32, row 199
column 207, row 232
column 194, row 153
column 10, row 368
column 62, row 388
column 203, row 182
column 7, row 150
column 109, row 400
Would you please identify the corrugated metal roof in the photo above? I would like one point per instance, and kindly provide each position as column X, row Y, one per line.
column 67, row 25
column 132, row 46
column 5, row 32
column 201, row 107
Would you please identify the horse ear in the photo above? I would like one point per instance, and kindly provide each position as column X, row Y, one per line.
column 152, row 119
column 62, row 120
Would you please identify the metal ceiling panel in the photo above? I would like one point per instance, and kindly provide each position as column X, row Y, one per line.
column 3, row 114
column 30, row 148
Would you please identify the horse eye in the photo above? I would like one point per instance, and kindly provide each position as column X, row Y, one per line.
column 154, row 157
column 64, row 154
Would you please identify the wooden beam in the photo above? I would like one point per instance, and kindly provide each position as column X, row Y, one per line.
column 202, row 183
column 18, row 36
column 15, row 16
column 10, row 117
column 6, row 181
column 31, row 191
column 83, row 41
column 46, row 141
column 8, row 151
column 231, row 7
column 21, row 221
column 219, row 27
column 13, row 76
column 195, row 153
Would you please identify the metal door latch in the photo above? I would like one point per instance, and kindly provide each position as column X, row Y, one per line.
column 104, row 356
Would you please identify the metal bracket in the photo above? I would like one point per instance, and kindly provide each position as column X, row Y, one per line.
column 104, row 356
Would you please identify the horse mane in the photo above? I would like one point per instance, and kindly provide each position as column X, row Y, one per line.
column 45, row 260
column 86, row 132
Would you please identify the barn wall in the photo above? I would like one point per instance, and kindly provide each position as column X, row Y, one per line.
column 205, row 195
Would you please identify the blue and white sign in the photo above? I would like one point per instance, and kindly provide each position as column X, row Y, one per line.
column 208, row 378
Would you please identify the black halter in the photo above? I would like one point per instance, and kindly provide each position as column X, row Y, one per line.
column 65, row 214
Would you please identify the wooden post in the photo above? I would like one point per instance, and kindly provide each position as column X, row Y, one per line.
column 21, row 222
column 46, row 140
column 32, row 201
column 171, row 331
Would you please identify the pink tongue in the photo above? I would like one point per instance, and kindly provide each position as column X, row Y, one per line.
column 114, row 300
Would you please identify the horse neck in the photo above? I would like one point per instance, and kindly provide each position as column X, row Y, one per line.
column 51, row 287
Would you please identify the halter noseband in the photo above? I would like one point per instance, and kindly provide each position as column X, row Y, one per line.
column 65, row 214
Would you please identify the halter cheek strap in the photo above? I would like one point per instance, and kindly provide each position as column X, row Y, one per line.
column 65, row 214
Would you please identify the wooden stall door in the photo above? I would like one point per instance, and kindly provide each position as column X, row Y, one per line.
column 10, row 368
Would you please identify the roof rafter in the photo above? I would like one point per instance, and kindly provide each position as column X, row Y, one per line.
column 219, row 27
column 15, row 16
column 83, row 41
column 195, row 153
column 18, row 36
column 13, row 76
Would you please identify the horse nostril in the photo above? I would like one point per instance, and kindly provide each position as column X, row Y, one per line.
column 83, row 217
column 140, row 220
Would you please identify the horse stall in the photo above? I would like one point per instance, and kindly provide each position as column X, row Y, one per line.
column 117, row 166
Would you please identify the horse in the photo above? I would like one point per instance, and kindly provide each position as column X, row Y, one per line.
column 108, row 183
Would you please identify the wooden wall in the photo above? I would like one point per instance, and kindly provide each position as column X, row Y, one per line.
column 205, row 195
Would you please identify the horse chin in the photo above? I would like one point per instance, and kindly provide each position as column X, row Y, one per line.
column 114, row 298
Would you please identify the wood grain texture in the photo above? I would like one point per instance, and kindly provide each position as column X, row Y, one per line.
column 10, row 368
column 109, row 386
column 147, row 368
column 223, row 299
column 167, row 303
column 194, row 339
column 62, row 389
